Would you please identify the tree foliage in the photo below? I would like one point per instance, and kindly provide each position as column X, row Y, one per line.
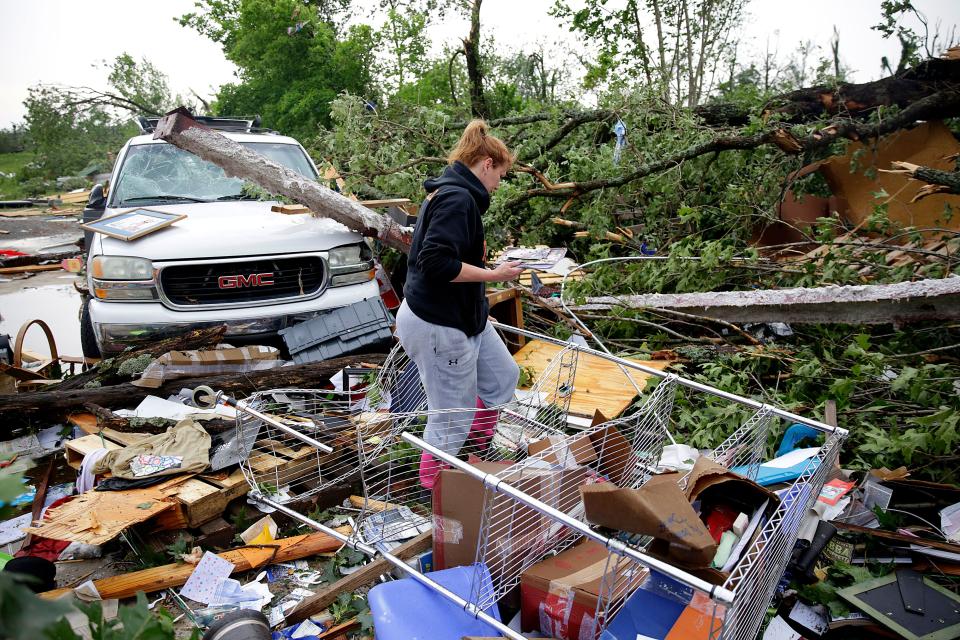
column 293, row 58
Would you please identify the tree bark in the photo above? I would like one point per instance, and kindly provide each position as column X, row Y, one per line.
column 471, row 50
column 938, row 181
column 180, row 129
column 45, row 407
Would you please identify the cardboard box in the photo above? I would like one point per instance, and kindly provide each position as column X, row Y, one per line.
column 661, row 509
column 459, row 501
column 565, row 452
column 559, row 595
column 190, row 364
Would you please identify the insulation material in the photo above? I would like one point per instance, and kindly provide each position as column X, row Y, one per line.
column 97, row 517
column 926, row 145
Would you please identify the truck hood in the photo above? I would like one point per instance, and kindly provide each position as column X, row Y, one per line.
column 230, row 229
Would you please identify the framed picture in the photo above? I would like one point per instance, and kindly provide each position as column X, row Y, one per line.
column 133, row 224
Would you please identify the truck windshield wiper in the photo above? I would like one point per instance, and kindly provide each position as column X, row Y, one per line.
column 238, row 196
column 162, row 198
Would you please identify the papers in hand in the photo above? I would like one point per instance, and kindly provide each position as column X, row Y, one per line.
column 542, row 258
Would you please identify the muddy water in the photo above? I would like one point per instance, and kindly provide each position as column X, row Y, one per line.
column 51, row 297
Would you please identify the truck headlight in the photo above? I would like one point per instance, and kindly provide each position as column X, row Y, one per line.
column 351, row 264
column 121, row 268
column 123, row 278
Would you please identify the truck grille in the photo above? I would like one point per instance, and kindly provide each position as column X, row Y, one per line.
column 200, row 284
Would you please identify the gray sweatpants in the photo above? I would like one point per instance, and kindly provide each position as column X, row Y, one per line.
column 455, row 370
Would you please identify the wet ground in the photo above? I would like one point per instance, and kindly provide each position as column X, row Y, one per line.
column 48, row 295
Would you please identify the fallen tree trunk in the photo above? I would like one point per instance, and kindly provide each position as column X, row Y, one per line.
column 180, row 129
column 860, row 304
column 44, row 407
column 127, row 585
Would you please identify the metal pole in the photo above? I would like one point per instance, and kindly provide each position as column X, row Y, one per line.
column 495, row 483
column 469, row 607
column 242, row 406
column 697, row 386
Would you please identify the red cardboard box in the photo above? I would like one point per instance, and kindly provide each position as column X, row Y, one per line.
column 559, row 595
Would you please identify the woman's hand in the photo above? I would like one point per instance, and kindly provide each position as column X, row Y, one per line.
column 506, row 271
column 503, row 273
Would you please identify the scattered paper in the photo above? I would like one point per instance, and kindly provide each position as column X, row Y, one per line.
column 154, row 407
column 778, row 629
column 950, row 522
column 792, row 458
column 834, row 490
column 203, row 582
column 253, row 595
column 263, row 531
column 816, row 619
column 10, row 529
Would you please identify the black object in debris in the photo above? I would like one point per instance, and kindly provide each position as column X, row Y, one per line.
column 911, row 588
column 881, row 599
column 339, row 332
column 242, row 624
column 6, row 353
column 803, row 568
column 42, row 573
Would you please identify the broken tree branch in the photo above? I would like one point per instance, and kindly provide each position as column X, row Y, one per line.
column 180, row 129
column 939, row 105
column 939, row 181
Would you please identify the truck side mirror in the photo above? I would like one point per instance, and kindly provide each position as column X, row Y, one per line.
column 97, row 200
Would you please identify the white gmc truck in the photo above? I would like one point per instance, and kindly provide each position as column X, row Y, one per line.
column 230, row 261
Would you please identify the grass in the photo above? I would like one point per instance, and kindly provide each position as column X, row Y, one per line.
column 10, row 189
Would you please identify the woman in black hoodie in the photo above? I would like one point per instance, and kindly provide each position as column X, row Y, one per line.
column 442, row 323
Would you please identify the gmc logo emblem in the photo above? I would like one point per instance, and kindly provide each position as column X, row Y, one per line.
column 252, row 280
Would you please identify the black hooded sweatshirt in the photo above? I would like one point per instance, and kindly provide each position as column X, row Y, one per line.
column 449, row 231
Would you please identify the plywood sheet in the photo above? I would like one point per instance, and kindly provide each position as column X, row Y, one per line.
column 598, row 385
column 96, row 517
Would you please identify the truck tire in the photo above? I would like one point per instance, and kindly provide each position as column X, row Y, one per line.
column 88, row 341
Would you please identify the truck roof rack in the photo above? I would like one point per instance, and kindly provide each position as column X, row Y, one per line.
column 237, row 124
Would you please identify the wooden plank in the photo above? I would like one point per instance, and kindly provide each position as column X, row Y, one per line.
column 201, row 501
column 87, row 422
column 233, row 484
column 30, row 268
column 388, row 202
column 598, row 384
column 127, row 585
column 75, row 450
column 361, row 577
column 96, row 517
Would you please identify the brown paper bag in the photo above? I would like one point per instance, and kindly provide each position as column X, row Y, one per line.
column 659, row 509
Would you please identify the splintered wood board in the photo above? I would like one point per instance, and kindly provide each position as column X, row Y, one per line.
column 598, row 384
column 96, row 517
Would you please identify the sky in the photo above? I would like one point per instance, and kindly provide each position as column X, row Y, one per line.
column 62, row 41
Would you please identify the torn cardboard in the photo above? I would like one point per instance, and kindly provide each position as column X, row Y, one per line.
column 192, row 364
column 560, row 450
column 660, row 509
column 459, row 502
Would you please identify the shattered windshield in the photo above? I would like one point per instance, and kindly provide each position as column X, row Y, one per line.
column 163, row 173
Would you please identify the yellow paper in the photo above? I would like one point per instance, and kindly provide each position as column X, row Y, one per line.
column 264, row 537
